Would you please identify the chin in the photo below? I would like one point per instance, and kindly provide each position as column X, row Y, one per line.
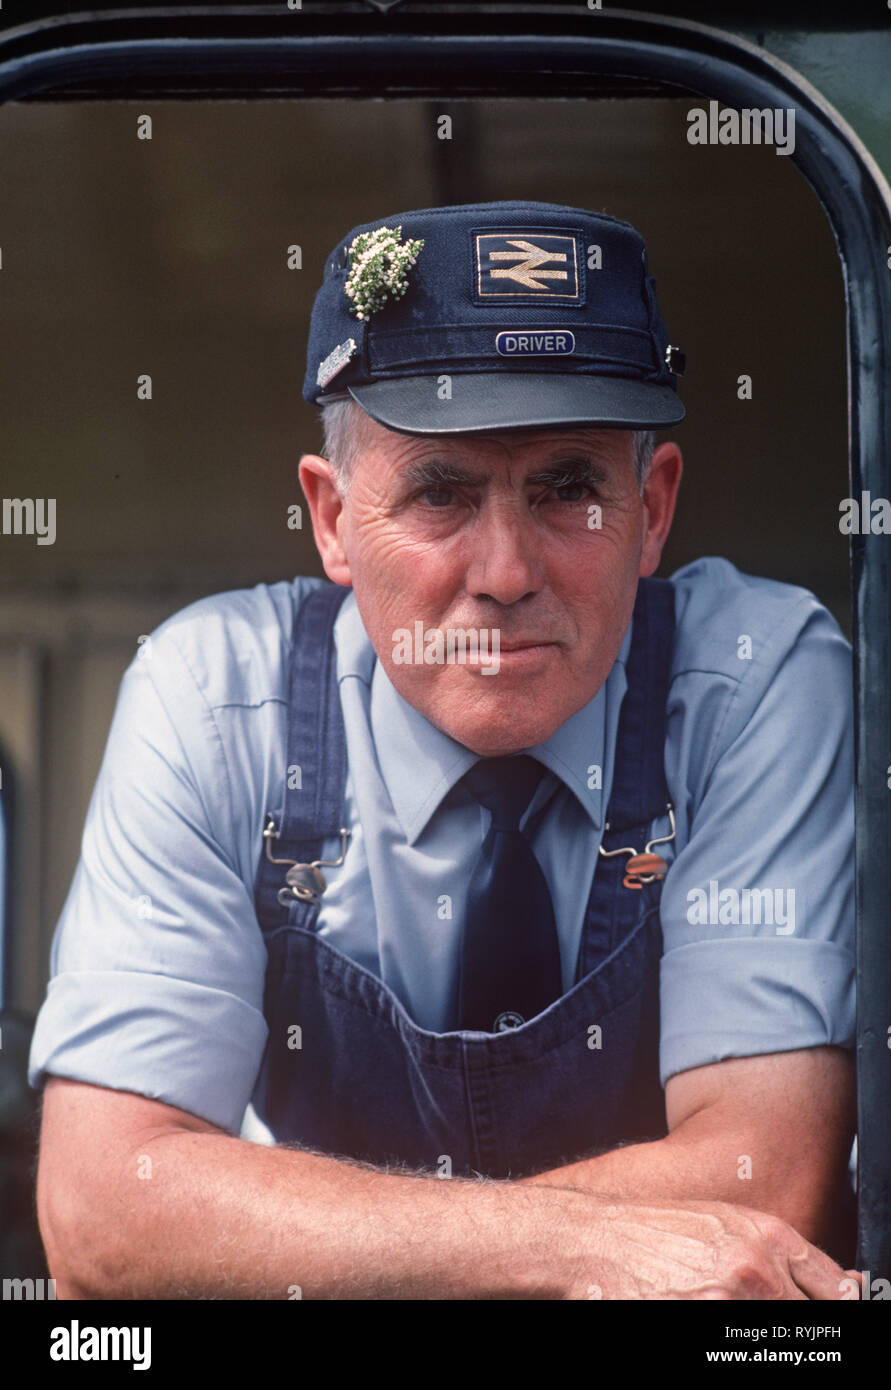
column 499, row 735
column 502, row 750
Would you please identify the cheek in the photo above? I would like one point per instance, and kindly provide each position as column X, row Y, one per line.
column 599, row 590
column 594, row 565
column 406, row 568
column 397, row 579
column 612, row 562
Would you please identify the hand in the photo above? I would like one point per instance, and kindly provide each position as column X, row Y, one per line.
column 697, row 1250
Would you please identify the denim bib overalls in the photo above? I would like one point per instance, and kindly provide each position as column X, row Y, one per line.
column 348, row 1072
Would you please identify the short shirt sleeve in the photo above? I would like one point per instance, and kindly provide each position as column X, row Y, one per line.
column 758, row 906
column 158, row 962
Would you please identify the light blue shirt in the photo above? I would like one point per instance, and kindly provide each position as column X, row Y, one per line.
column 158, row 961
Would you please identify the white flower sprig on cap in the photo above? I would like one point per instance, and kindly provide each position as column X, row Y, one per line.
column 378, row 269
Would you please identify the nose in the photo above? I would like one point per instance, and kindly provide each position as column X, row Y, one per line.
column 504, row 562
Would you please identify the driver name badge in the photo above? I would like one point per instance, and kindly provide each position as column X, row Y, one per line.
column 335, row 362
column 533, row 342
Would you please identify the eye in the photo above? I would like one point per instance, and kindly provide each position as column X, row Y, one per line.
column 574, row 490
column 579, row 489
column 444, row 494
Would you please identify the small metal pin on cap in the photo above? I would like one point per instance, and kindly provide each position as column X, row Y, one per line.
column 675, row 360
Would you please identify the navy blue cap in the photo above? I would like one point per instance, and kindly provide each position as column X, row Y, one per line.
column 538, row 315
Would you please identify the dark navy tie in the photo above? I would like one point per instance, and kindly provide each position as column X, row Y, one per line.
column 510, row 963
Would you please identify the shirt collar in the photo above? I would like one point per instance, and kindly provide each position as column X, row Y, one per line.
column 420, row 764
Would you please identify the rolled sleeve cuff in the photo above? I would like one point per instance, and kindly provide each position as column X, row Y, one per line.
column 741, row 998
column 187, row 1045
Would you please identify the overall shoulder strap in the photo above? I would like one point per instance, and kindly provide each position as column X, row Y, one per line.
column 314, row 777
column 639, row 791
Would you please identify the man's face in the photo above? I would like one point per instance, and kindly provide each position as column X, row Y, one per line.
column 497, row 533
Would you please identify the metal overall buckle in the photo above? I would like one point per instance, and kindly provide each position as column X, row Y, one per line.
column 305, row 882
column 646, row 867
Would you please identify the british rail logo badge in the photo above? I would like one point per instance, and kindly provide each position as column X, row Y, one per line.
column 529, row 265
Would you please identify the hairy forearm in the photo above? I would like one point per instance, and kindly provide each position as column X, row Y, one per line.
column 137, row 1200
column 222, row 1218
column 714, row 1156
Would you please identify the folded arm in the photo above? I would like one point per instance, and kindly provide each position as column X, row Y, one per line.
column 771, row 1132
column 137, row 1199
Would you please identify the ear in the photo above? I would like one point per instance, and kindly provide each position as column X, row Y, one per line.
column 660, row 492
column 326, row 510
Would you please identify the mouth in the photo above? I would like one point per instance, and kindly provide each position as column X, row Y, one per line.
column 522, row 658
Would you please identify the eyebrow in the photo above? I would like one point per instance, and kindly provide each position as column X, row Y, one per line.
column 563, row 472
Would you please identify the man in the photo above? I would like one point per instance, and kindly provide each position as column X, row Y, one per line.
column 496, row 861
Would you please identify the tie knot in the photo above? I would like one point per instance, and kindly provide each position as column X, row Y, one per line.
column 505, row 786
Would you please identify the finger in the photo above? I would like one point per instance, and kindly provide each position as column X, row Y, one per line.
column 818, row 1276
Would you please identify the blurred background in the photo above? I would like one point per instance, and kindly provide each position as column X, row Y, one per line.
column 168, row 257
